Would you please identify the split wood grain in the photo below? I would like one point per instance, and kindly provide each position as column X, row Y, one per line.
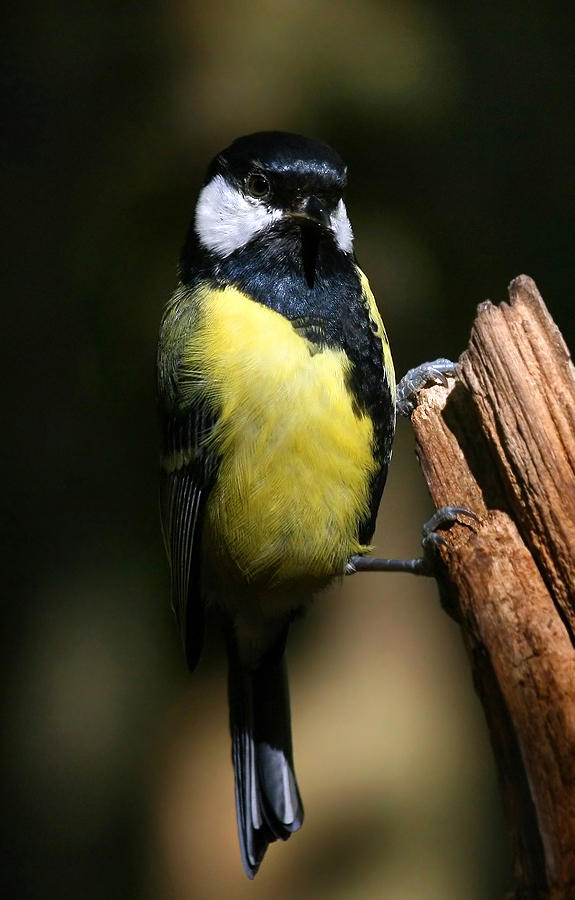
column 501, row 442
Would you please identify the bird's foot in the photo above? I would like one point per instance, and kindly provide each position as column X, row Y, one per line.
column 424, row 565
column 419, row 378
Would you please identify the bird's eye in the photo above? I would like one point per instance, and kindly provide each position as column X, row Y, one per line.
column 258, row 186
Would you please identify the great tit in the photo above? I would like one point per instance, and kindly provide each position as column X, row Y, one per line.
column 277, row 397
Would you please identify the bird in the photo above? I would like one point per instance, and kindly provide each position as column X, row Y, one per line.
column 277, row 400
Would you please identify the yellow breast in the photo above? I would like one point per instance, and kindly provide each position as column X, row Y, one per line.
column 296, row 457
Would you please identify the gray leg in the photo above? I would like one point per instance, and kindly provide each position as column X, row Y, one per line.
column 424, row 565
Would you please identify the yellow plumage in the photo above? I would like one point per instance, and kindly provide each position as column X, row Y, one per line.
column 380, row 331
column 296, row 458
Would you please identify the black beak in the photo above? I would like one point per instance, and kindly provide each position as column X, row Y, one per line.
column 311, row 210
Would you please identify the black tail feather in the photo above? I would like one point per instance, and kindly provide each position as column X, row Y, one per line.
column 268, row 803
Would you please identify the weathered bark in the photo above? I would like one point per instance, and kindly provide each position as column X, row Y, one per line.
column 501, row 442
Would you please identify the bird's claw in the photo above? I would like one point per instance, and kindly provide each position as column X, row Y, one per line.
column 419, row 378
column 445, row 515
column 424, row 565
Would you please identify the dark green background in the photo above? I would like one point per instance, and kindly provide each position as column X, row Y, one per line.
column 470, row 188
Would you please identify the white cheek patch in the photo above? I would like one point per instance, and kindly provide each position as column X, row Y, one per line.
column 226, row 220
column 342, row 228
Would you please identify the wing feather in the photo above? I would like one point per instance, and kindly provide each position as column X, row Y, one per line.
column 188, row 473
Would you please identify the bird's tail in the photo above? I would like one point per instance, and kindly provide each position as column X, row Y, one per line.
column 268, row 804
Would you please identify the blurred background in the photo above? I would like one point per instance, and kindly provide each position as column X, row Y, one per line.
column 456, row 120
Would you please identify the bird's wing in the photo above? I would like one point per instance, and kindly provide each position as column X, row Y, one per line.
column 188, row 472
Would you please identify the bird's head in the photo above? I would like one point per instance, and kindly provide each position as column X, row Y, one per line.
column 267, row 181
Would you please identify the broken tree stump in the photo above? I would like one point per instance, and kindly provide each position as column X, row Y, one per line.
column 500, row 441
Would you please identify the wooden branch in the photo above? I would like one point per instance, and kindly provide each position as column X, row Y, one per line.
column 501, row 442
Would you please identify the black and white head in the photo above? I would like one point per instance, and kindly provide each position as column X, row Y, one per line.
column 269, row 178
